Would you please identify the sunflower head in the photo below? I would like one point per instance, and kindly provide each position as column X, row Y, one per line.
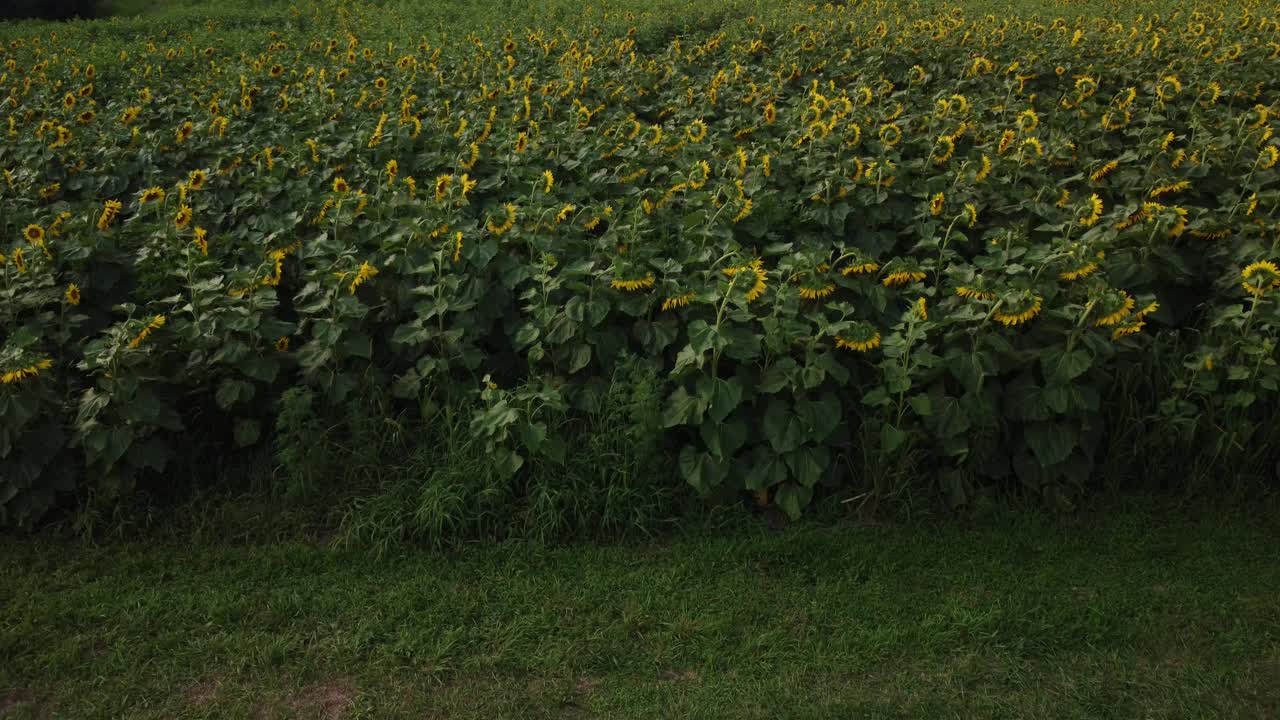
column 33, row 233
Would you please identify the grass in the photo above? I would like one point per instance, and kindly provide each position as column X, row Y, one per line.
column 1145, row 610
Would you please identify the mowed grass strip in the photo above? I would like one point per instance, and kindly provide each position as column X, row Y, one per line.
column 1143, row 611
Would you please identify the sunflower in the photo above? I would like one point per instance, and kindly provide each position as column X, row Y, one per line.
column 1169, row 87
column 971, row 293
column 276, row 70
column 1028, row 120
column 507, row 224
column 984, row 170
column 1118, row 307
column 365, row 272
column 282, row 344
column 900, row 277
column 1095, row 211
column 201, row 240
column 696, row 132
column 152, row 194
column 943, row 149
column 183, row 217
column 183, row 132
column 86, row 117
column 22, row 373
column 890, row 134
column 72, row 294
column 634, row 285
column 1006, row 139
column 863, row 339
column 34, row 234
column 110, row 210
column 196, row 179
column 1268, row 157
column 340, row 185
column 936, row 204
column 155, row 324
column 678, row 301
column 1260, row 277
column 49, row 191
column 770, row 113
column 1017, row 311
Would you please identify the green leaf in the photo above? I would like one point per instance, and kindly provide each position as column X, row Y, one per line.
column 579, row 358
column 1051, row 443
column 532, row 434
column 701, row 470
column 891, row 438
column 808, row 464
column 742, row 344
column 782, row 428
column 819, row 417
column 765, row 472
column 506, row 462
column 949, row 418
column 725, row 396
column 704, row 337
column 683, row 409
column 921, row 404
column 231, row 391
column 1065, row 367
column 723, row 438
column 526, row 336
column 247, row 431
column 776, row 376
column 877, row 397
column 793, row 499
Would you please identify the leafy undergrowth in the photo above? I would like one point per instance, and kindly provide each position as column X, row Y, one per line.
column 1143, row 610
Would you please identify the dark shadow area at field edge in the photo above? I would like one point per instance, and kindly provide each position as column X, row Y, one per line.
column 51, row 9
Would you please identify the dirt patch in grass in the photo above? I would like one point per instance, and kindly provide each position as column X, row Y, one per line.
column 13, row 701
column 202, row 693
column 330, row 700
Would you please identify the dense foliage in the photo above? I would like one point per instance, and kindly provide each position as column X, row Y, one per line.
column 867, row 246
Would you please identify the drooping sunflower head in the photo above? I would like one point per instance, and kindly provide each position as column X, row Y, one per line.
column 861, row 337
column 1112, row 307
column 1017, row 307
column 943, row 149
column 1028, row 120
column 1091, row 212
column 1258, row 278
column 890, row 134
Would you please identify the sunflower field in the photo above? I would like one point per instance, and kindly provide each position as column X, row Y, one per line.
column 861, row 247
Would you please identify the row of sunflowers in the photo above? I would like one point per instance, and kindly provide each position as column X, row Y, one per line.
column 856, row 240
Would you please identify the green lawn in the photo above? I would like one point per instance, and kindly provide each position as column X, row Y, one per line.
column 1142, row 611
